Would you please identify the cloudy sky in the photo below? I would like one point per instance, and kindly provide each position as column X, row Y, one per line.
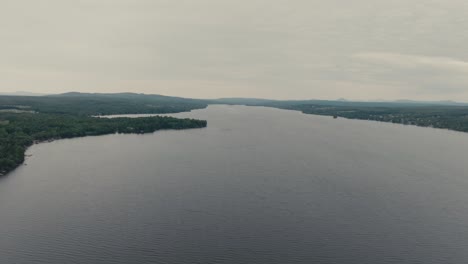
column 354, row 49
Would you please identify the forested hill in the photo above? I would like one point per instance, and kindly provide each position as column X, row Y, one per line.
column 28, row 119
column 101, row 104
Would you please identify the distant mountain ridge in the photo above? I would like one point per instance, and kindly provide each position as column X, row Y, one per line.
column 102, row 104
column 242, row 100
column 341, row 102
column 126, row 95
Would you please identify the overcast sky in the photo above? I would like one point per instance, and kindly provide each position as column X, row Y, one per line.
column 354, row 49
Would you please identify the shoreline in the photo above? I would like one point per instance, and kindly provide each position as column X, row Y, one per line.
column 6, row 172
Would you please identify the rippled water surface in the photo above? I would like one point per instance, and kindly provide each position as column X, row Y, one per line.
column 259, row 185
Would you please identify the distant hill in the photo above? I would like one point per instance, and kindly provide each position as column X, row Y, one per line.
column 339, row 102
column 101, row 104
column 118, row 95
column 130, row 96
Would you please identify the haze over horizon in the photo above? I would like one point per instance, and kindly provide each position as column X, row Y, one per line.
column 302, row 49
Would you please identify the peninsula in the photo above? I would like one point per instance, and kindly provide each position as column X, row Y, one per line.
column 28, row 120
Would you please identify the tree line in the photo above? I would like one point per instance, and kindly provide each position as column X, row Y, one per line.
column 19, row 131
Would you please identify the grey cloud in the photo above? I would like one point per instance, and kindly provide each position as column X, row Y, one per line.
column 415, row 62
column 425, row 74
column 213, row 48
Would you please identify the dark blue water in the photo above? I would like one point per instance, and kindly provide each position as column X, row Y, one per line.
column 259, row 185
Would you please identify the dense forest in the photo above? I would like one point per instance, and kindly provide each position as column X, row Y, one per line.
column 18, row 131
column 26, row 120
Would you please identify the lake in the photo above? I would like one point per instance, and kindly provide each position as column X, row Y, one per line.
column 258, row 185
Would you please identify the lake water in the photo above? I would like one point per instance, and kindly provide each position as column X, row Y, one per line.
column 258, row 185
